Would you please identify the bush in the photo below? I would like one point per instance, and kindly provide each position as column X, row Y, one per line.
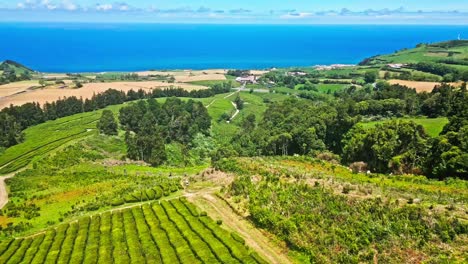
column 358, row 167
column 238, row 238
column 117, row 202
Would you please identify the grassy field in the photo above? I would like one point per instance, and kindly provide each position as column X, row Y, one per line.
column 425, row 53
column 167, row 232
column 325, row 88
column 43, row 138
column 210, row 83
column 433, row 126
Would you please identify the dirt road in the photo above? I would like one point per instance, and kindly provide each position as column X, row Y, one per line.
column 3, row 190
column 254, row 238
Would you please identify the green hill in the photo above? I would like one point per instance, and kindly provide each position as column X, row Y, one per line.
column 9, row 66
column 451, row 52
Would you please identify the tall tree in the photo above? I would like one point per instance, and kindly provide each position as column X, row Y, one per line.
column 107, row 124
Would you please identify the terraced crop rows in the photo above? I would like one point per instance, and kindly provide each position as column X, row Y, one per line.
column 46, row 137
column 166, row 232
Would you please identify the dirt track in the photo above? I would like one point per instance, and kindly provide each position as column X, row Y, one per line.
column 254, row 238
column 3, row 190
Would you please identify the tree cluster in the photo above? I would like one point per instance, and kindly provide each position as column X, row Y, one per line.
column 449, row 73
column 14, row 119
column 321, row 124
column 150, row 125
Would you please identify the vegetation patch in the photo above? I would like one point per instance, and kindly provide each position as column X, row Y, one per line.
column 165, row 232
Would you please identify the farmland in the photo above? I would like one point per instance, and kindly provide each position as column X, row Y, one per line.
column 16, row 87
column 419, row 86
column 50, row 94
column 301, row 166
column 168, row 232
column 45, row 137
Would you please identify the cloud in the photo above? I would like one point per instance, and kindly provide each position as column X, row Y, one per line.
column 66, row 5
column 240, row 11
column 114, row 7
column 296, row 15
column 203, row 9
column 198, row 13
column 104, row 7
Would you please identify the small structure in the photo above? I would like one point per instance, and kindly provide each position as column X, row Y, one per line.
column 332, row 67
column 297, row 73
column 396, row 65
column 247, row 79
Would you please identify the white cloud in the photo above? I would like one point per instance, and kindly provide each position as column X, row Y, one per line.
column 104, row 7
column 68, row 5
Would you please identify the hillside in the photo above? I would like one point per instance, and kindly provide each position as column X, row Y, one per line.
column 301, row 166
column 454, row 53
column 11, row 67
column 327, row 214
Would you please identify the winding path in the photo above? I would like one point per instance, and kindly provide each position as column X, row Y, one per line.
column 236, row 113
column 3, row 189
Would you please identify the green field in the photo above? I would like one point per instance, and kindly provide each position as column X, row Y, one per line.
column 212, row 83
column 426, row 53
column 167, row 232
column 433, row 126
column 43, row 138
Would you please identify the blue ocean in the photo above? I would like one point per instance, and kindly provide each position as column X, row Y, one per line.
column 54, row 47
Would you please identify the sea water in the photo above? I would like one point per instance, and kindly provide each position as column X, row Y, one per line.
column 85, row 47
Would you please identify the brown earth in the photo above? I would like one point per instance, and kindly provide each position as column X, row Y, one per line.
column 419, row 86
column 54, row 93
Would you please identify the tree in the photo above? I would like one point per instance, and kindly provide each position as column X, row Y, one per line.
column 387, row 75
column 42, row 82
column 78, row 84
column 157, row 154
column 107, row 124
column 370, row 76
column 239, row 102
column 396, row 145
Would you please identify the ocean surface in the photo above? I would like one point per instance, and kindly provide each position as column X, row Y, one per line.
column 130, row 47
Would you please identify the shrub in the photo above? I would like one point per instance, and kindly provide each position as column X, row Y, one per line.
column 238, row 238
column 358, row 167
column 117, row 202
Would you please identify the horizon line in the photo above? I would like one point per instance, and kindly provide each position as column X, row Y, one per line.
column 231, row 23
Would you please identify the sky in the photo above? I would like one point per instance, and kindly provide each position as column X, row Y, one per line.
column 446, row 12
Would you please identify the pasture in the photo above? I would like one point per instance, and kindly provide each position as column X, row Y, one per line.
column 432, row 126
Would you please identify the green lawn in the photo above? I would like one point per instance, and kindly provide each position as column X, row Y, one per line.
column 213, row 82
column 433, row 126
